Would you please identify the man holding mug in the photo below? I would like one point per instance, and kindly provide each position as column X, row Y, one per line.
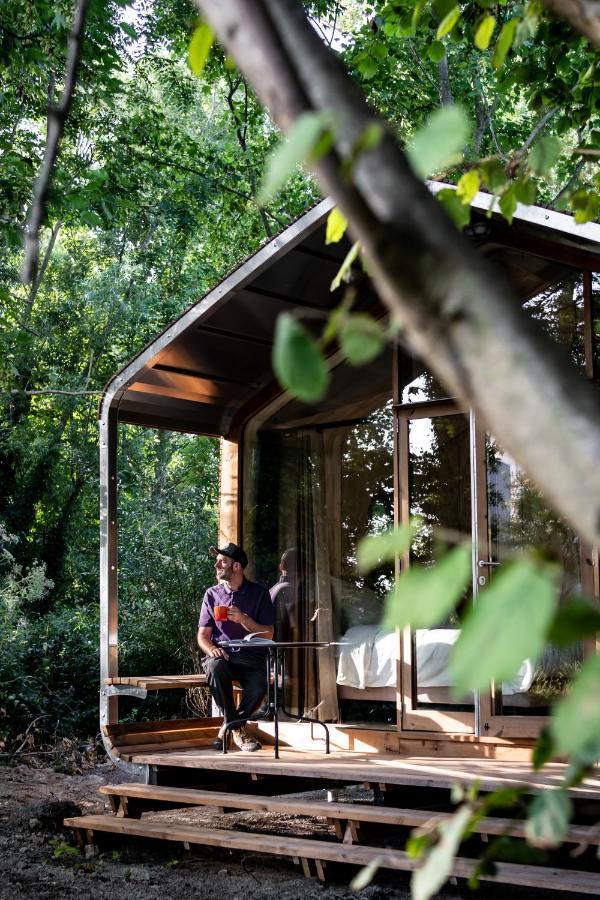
column 232, row 609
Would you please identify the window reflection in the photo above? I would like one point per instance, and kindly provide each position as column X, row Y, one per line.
column 440, row 494
column 518, row 519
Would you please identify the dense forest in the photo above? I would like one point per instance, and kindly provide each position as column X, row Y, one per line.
column 152, row 201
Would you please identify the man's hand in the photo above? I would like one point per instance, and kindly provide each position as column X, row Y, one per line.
column 234, row 614
column 217, row 653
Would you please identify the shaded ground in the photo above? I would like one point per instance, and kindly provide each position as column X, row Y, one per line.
column 37, row 859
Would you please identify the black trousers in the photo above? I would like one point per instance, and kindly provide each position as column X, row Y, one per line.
column 250, row 671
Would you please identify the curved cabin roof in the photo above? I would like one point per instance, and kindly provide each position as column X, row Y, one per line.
column 212, row 365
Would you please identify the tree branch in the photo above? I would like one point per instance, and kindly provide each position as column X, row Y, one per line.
column 537, row 128
column 57, row 116
column 583, row 15
column 457, row 310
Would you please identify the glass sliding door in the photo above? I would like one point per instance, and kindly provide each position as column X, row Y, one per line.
column 436, row 485
column 518, row 519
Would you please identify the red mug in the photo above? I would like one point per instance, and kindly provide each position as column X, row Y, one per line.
column 221, row 613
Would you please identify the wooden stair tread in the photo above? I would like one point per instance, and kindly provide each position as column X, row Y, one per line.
column 355, row 854
column 345, row 811
column 158, row 682
column 166, row 726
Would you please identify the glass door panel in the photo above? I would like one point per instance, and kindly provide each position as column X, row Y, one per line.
column 438, row 486
column 518, row 519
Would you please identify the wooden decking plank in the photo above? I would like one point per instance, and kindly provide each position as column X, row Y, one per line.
column 414, row 818
column 385, row 768
column 326, row 851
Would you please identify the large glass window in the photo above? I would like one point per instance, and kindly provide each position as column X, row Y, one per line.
column 317, row 480
column 440, row 495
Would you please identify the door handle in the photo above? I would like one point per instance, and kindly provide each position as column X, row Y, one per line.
column 488, row 562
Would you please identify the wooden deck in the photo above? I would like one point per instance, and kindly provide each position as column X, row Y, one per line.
column 383, row 768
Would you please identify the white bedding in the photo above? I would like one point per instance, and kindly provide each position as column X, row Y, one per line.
column 368, row 659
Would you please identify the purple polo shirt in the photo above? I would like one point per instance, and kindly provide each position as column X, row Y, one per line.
column 253, row 599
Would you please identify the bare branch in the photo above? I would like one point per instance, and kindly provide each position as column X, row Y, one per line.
column 16, row 392
column 536, row 130
column 57, row 116
column 567, row 187
column 445, row 89
column 458, row 311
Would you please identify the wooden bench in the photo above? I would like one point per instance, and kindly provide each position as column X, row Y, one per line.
column 321, row 852
column 131, row 738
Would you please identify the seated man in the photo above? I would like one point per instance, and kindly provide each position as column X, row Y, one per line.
column 230, row 610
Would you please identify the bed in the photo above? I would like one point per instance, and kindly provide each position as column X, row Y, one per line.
column 368, row 661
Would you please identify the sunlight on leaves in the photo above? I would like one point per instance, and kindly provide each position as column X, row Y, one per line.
column 430, row 877
column 336, row 226
column 576, row 720
column 548, row 818
column 309, row 137
column 454, row 207
column 346, row 266
column 423, row 596
column 544, row 155
column 362, row 338
column 510, row 619
column 508, row 204
column 376, row 549
column 484, row 32
column 468, row 185
column 297, row 360
column 199, row 49
column 440, row 141
column 504, row 42
column 448, row 22
column 366, row 875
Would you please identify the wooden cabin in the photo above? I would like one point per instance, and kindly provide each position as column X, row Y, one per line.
column 385, row 443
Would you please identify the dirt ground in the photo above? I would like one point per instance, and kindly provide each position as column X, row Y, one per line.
column 39, row 860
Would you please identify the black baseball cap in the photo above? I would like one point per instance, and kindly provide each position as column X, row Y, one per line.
column 233, row 552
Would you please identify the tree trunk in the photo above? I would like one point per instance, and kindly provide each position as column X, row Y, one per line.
column 457, row 311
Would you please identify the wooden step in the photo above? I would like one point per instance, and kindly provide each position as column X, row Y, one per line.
column 342, row 812
column 327, row 851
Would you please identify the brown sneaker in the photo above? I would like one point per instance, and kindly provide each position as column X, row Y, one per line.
column 245, row 741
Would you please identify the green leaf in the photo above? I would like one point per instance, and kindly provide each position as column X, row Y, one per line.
column 129, row 30
column 576, row 720
column 509, row 619
column 297, row 360
column 336, row 226
column 366, row 875
column 544, row 155
column 585, row 205
column 526, row 191
column 504, row 42
column 308, row 132
column 427, row 880
column 494, row 175
column 508, row 204
column 423, row 597
column 578, row 620
column 362, row 338
column 440, row 141
column 376, row 549
column 548, row 818
column 448, row 22
column 544, row 749
column 202, row 41
column 454, row 207
column 436, row 51
column 346, row 266
column 484, row 32
column 418, row 11
column 468, row 185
